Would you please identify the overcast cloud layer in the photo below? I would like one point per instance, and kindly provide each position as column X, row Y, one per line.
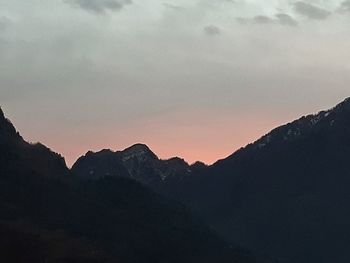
column 195, row 78
column 99, row 6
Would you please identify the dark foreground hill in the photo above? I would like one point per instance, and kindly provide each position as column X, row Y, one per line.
column 47, row 215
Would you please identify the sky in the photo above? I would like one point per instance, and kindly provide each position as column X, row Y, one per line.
column 191, row 78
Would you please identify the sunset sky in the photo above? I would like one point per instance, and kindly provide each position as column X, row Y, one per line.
column 190, row 78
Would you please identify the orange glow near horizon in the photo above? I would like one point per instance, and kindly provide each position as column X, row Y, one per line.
column 195, row 138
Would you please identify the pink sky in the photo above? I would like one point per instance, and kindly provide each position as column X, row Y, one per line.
column 200, row 137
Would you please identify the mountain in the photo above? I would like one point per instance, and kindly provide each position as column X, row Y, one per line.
column 18, row 155
column 49, row 215
column 287, row 193
column 137, row 162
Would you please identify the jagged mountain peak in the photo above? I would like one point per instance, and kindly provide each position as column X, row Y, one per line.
column 102, row 152
column 137, row 162
column 199, row 164
column 176, row 160
column 137, row 147
column 138, row 151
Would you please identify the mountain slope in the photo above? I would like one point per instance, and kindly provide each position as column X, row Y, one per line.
column 287, row 193
column 18, row 155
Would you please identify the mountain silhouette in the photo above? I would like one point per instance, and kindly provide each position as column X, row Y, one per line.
column 18, row 155
column 50, row 215
column 287, row 194
column 137, row 162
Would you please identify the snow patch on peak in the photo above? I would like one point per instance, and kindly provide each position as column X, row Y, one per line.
column 140, row 152
column 265, row 140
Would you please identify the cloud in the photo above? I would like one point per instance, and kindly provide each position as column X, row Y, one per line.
column 254, row 20
column 344, row 7
column 262, row 20
column 285, row 19
column 4, row 22
column 133, row 67
column 279, row 19
column 212, row 30
column 99, row 6
column 311, row 11
column 172, row 6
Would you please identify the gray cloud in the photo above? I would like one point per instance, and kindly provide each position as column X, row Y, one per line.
column 262, row 20
column 212, row 30
column 281, row 19
column 99, row 6
column 172, row 6
column 285, row 19
column 255, row 20
column 4, row 22
column 344, row 7
column 129, row 73
column 311, row 11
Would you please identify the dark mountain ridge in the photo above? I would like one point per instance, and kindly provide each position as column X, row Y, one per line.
column 304, row 127
column 286, row 194
column 17, row 154
column 49, row 215
column 137, row 162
